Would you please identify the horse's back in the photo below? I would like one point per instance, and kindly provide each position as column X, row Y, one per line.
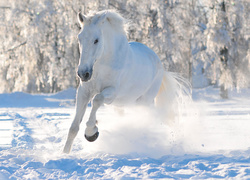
column 140, row 49
column 145, row 58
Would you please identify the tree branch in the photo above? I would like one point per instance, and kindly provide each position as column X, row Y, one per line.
column 15, row 47
column 4, row 7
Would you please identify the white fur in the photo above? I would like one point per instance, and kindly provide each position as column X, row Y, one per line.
column 123, row 73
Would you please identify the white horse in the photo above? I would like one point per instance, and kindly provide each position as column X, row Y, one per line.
column 114, row 71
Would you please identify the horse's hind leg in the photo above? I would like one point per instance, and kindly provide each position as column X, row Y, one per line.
column 147, row 99
column 81, row 105
column 106, row 96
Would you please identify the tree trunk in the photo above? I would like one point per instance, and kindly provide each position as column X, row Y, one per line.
column 223, row 92
column 224, row 61
column 190, row 64
column 224, row 57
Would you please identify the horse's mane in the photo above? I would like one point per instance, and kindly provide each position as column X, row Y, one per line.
column 116, row 21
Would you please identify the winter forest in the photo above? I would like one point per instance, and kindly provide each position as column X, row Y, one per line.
column 206, row 41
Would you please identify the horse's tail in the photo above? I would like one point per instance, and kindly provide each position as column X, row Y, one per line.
column 173, row 93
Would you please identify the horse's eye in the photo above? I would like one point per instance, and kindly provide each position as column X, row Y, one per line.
column 96, row 41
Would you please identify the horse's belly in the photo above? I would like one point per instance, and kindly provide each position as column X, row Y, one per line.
column 132, row 95
column 125, row 101
column 137, row 86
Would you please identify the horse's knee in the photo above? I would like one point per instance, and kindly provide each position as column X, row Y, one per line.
column 98, row 100
column 107, row 96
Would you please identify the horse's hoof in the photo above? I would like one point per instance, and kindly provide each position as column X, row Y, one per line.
column 92, row 138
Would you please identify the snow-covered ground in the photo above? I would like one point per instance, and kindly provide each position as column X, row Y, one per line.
column 212, row 141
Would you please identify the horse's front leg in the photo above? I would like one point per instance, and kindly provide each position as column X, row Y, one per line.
column 82, row 100
column 106, row 96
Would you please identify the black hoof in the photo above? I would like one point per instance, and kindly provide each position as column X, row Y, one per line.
column 92, row 138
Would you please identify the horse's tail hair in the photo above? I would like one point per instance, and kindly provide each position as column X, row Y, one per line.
column 174, row 92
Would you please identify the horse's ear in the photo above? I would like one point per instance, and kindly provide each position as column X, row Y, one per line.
column 81, row 18
column 102, row 18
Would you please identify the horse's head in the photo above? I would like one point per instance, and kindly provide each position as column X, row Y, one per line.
column 90, row 44
column 96, row 29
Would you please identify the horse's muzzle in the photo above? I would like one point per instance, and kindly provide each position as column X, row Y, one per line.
column 85, row 75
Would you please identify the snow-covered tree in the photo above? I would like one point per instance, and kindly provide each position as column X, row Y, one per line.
column 224, row 39
column 40, row 49
column 206, row 41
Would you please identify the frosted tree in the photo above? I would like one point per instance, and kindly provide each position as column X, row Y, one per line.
column 239, row 20
column 44, row 48
column 223, row 39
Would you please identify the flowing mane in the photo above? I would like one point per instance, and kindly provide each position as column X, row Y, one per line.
column 116, row 21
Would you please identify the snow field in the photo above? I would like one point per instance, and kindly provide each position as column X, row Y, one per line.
column 212, row 141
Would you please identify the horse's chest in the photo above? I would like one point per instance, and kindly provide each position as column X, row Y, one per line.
column 106, row 76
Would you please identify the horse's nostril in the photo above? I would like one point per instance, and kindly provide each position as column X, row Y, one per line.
column 86, row 76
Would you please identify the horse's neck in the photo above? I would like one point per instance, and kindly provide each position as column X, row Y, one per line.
column 114, row 57
column 117, row 45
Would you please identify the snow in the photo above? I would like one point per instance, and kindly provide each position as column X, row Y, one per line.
column 211, row 141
